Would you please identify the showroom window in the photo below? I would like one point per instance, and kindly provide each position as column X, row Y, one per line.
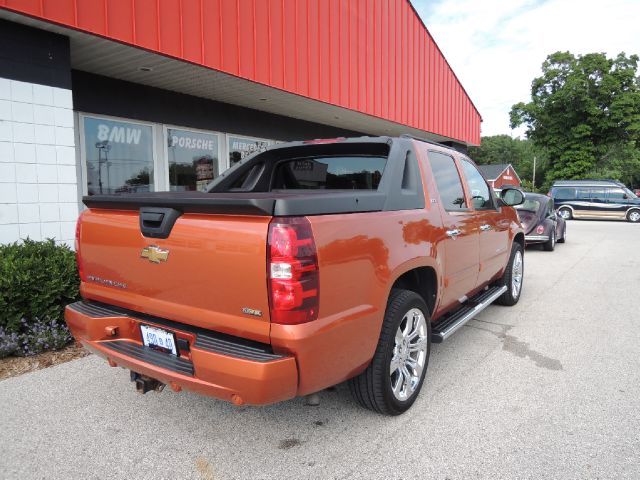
column 193, row 159
column 241, row 147
column 121, row 155
column 118, row 156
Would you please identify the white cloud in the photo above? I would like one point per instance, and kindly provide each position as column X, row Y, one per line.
column 496, row 48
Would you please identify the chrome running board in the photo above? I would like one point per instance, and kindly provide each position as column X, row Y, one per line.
column 445, row 328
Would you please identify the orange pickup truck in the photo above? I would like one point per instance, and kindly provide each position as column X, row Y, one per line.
column 301, row 267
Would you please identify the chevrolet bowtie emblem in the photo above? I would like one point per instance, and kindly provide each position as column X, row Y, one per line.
column 154, row 254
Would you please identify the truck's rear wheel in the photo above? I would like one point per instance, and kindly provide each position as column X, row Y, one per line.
column 393, row 379
column 512, row 277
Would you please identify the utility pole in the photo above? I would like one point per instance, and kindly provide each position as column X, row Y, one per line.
column 533, row 181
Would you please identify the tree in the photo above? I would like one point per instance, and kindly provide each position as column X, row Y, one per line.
column 143, row 177
column 585, row 112
column 519, row 153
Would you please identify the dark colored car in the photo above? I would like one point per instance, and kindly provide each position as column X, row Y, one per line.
column 542, row 225
column 595, row 199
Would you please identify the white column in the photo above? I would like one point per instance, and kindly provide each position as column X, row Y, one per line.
column 38, row 176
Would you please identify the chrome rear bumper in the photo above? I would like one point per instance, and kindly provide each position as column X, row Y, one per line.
column 536, row 238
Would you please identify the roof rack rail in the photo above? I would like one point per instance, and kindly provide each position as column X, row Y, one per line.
column 408, row 135
column 610, row 180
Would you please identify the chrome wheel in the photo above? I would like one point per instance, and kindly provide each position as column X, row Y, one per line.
column 565, row 213
column 516, row 274
column 634, row 216
column 409, row 354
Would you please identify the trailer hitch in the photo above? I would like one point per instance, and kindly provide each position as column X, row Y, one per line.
column 146, row 384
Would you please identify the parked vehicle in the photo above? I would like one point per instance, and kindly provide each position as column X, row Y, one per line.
column 303, row 266
column 542, row 225
column 595, row 199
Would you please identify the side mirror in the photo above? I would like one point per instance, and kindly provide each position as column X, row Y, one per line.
column 512, row 197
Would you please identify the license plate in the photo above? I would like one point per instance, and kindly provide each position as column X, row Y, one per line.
column 158, row 339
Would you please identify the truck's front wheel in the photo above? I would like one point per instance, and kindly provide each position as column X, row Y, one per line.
column 393, row 379
column 512, row 277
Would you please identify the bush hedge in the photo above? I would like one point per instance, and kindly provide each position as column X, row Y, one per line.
column 37, row 280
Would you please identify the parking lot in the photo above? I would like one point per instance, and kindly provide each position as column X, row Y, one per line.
column 547, row 389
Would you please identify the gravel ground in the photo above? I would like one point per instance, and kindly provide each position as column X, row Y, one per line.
column 549, row 388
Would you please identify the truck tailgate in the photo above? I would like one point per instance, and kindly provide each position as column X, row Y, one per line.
column 209, row 272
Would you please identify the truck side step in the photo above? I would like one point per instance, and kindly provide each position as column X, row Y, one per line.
column 471, row 308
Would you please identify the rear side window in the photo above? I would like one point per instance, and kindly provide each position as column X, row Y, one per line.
column 598, row 195
column 329, row 173
column 448, row 180
column 564, row 193
column 583, row 194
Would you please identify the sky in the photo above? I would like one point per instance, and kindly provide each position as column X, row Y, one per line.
column 496, row 47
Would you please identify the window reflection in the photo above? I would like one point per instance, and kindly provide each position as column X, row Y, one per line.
column 448, row 181
column 193, row 159
column 240, row 148
column 478, row 188
column 119, row 156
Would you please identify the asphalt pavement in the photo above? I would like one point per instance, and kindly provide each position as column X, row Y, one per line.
column 549, row 388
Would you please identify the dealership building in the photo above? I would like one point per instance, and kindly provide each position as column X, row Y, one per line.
column 116, row 96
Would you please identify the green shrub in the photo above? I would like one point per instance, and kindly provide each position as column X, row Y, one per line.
column 37, row 280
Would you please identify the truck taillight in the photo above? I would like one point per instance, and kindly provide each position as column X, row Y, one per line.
column 77, row 246
column 292, row 270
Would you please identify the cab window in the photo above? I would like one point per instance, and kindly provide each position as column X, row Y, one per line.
column 478, row 188
column 617, row 194
column 448, row 180
column 329, row 173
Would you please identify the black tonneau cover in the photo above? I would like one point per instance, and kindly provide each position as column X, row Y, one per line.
column 246, row 203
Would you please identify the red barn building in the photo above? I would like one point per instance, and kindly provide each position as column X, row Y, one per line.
column 500, row 175
column 142, row 95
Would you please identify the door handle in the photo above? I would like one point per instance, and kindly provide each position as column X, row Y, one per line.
column 453, row 233
column 484, row 228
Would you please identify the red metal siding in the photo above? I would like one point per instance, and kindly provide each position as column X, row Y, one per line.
column 372, row 56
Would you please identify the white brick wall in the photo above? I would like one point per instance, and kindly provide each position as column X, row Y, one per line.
column 38, row 174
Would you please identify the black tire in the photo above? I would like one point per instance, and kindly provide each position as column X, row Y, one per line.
column 633, row 217
column 508, row 298
column 569, row 216
column 550, row 245
column 372, row 388
column 564, row 235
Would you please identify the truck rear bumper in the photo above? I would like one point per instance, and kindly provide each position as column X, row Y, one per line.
column 222, row 366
